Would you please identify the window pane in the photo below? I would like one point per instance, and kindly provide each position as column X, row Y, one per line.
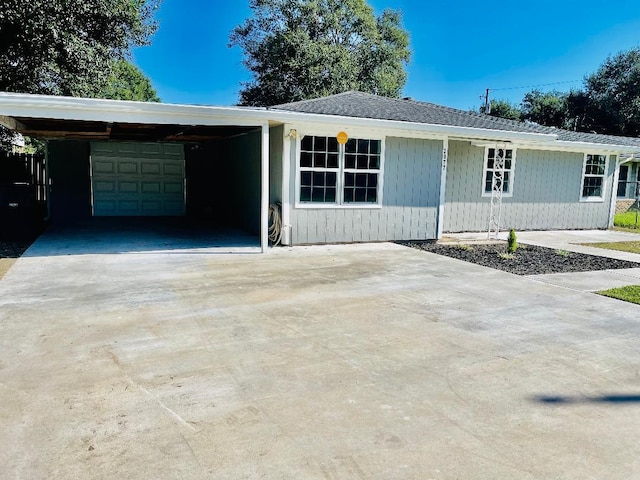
column 490, row 162
column 372, row 180
column 372, row 195
column 363, row 162
column 320, row 160
column 349, row 161
column 331, row 179
column 492, row 153
column 332, row 144
column 305, row 194
column 349, row 194
column 332, row 160
column 363, row 146
column 375, row 147
column 506, row 182
column 330, row 195
column 507, row 164
column 320, row 144
column 305, row 179
column 361, row 180
column 374, row 162
column 307, row 143
column 360, row 195
column 350, row 147
column 305, row 159
column 318, row 179
column 349, row 179
column 317, row 195
column 592, row 187
column 509, row 154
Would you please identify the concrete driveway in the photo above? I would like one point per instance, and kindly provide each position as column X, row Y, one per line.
column 338, row 362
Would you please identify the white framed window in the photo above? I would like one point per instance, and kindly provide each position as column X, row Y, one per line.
column 593, row 178
column 331, row 174
column 490, row 167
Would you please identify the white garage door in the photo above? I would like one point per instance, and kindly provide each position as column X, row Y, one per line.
column 137, row 179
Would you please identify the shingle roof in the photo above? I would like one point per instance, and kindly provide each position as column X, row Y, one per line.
column 365, row 105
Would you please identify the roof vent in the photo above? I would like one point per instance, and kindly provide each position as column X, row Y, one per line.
column 407, row 98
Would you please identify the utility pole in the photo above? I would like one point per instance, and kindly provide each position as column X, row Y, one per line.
column 487, row 105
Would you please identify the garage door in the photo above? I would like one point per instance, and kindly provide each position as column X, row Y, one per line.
column 137, row 179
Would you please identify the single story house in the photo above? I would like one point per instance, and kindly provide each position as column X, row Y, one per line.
column 351, row 167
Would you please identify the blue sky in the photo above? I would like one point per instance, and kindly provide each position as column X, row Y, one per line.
column 459, row 47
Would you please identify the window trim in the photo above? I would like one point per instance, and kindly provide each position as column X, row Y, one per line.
column 512, row 170
column 339, row 204
column 601, row 198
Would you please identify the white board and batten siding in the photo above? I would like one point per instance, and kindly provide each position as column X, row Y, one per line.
column 137, row 179
column 411, row 189
column 546, row 192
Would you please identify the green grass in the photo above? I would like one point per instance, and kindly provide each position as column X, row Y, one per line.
column 627, row 294
column 626, row 220
column 631, row 247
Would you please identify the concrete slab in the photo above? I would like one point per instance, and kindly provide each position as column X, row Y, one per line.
column 592, row 281
column 356, row 361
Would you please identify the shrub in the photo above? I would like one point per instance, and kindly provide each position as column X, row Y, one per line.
column 512, row 241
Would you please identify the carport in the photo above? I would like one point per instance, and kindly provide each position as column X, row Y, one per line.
column 208, row 165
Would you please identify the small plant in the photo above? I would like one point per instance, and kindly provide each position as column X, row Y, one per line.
column 512, row 242
column 465, row 247
column 563, row 253
column 506, row 256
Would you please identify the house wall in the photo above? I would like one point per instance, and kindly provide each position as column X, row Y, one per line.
column 275, row 163
column 411, row 184
column 70, row 193
column 546, row 192
column 243, row 160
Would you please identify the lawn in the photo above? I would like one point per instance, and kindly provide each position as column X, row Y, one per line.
column 627, row 220
column 631, row 247
column 628, row 294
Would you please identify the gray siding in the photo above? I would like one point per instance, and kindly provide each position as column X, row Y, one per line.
column 411, row 192
column 546, row 192
column 275, row 163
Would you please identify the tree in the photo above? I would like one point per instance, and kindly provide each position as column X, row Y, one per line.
column 549, row 108
column 65, row 47
column 613, row 95
column 127, row 82
column 504, row 109
column 69, row 47
column 300, row 49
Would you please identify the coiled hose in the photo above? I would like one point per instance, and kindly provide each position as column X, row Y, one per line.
column 275, row 223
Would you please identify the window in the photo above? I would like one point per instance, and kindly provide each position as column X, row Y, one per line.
column 622, row 180
column 595, row 167
column 491, row 159
column 331, row 173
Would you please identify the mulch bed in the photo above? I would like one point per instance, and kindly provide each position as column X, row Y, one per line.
column 527, row 260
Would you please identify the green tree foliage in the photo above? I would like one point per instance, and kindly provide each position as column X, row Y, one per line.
column 65, row 47
column 300, row 49
column 549, row 108
column 72, row 47
column 127, row 82
column 504, row 109
column 608, row 103
column 613, row 96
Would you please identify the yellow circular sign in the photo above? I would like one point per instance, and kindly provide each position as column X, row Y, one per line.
column 342, row 137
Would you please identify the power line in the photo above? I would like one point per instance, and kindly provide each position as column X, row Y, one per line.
column 534, row 86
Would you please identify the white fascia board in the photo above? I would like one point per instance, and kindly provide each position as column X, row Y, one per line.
column 89, row 109
column 101, row 110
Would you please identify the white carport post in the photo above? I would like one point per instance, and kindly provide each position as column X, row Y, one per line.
column 264, row 197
